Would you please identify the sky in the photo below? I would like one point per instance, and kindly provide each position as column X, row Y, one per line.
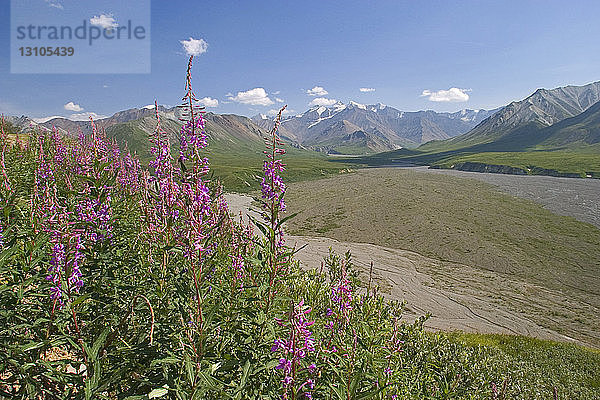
column 255, row 56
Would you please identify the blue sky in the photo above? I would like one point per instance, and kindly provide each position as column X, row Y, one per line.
column 491, row 53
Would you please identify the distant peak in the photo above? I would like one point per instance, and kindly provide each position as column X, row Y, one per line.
column 358, row 105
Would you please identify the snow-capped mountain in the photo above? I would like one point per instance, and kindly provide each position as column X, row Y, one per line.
column 361, row 128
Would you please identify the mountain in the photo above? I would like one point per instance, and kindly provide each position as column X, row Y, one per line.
column 579, row 131
column 355, row 128
column 226, row 132
column 517, row 125
column 235, row 148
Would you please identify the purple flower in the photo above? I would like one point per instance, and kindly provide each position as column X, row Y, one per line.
column 192, row 139
column 296, row 347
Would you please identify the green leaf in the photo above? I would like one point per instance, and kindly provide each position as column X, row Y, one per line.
column 158, row 392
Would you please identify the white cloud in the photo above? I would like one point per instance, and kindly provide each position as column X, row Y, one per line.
column 55, row 4
column 86, row 116
column 255, row 97
column 273, row 112
column 105, row 21
column 450, row 95
column 317, row 91
column 70, row 106
column 366, row 89
column 277, row 99
column 322, row 101
column 209, row 102
column 194, row 47
column 276, row 93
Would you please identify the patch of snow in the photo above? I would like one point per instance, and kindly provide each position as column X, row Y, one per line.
column 358, row 105
column 46, row 119
column 148, row 107
column 263, row 116
column 319, row 120
column 339, row 106
column 321, row 110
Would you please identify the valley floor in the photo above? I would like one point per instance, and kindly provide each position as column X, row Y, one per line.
column 472, row 305
column 477, row 259
column 573, row 197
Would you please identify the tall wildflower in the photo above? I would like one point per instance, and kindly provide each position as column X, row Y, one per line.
column 129, row 174
column 5, row 181
column 65, row 261
column 66, row 256
column 294, row 350
column 93, row 210
column 196, row 199
column 273, row 189
column 241, row 244
column 341, row 296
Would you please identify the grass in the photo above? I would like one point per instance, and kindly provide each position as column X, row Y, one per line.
column 561, row 161
column 552, row 364
column 236, row 162
column 538, row 261
column 575, row 158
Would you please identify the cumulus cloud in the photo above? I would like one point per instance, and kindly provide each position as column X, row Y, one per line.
column 55, row 4
column 322, row 101
column 208, row 102
column 70, row 106
column 277, row 99
column 366, row 89
column 317, row 91
column 255, row 97
column 194, row 47
column 105, row 21
column 450, row 95
column 86, row 116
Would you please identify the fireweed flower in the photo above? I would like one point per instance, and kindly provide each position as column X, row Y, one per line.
column 65, row 261
column 96, row 215
column 272, row 186
column 192, row 138
column 129, row 173
column 295, row 349
column 341, row 297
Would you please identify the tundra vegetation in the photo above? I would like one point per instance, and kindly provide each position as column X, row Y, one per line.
column 119, row 280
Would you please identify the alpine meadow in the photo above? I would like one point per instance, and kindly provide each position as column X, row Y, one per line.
column 265, row 227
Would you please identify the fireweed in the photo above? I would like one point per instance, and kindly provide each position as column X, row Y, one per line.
column 272, row 190
column 294, row 350
column 164, row 294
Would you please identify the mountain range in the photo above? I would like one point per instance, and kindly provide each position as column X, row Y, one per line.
column 351, row 128
column 355, row 128
column 547, row 119
column 530, row 122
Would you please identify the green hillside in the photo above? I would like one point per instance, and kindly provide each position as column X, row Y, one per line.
column 235, row 150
